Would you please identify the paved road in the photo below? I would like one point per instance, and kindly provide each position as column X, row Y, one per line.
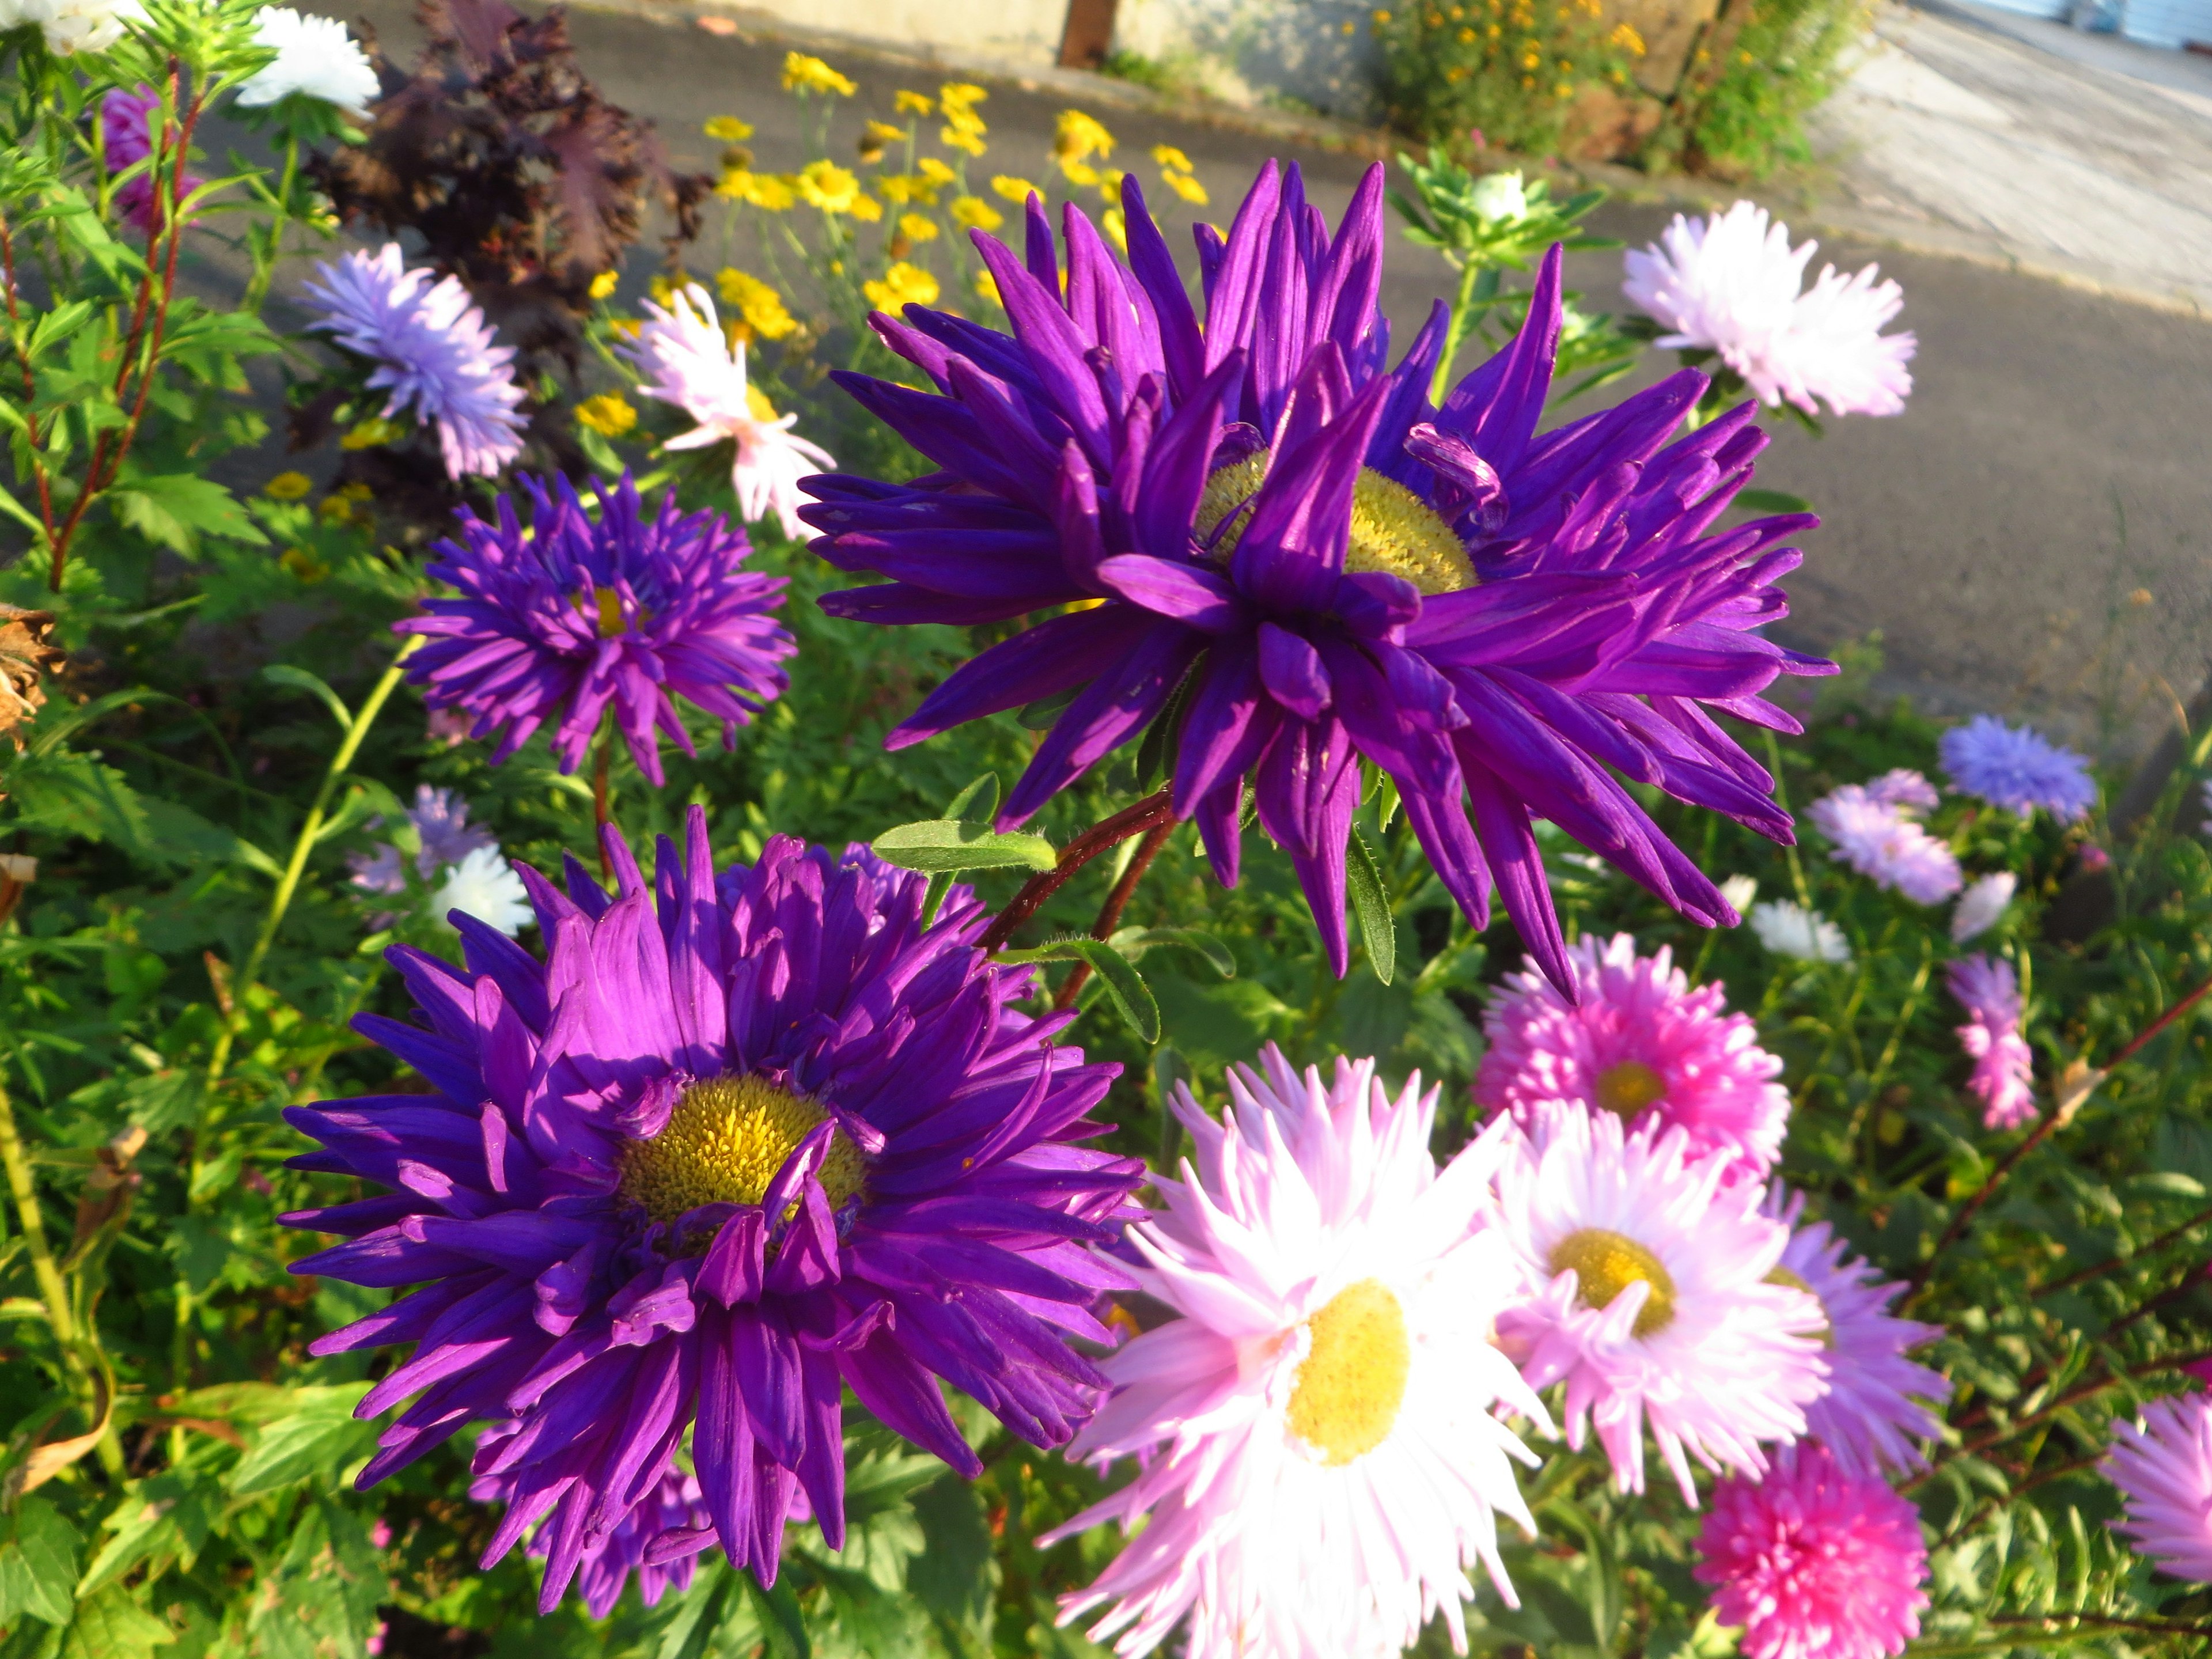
column 2050, row 464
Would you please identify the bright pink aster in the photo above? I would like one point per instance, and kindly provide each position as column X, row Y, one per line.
column 2004, row 1067
column 2164, row 1465
column 1641, row 1044
column 1813, row 1564
column 1874, row 833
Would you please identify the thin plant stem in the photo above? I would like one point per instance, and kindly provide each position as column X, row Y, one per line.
column 310, row 828
column 52, row 1290
column 1147, row 814
column 1109, row 913
column 30, row 381
column 1456, row 331
column 265, row 263
column 2083, row 1275
column 601, row 814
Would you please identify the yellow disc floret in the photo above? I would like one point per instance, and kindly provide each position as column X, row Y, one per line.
column 724, row 1144
column 1394, row 530
column 1626, row 1089
column 1353, row 1380
column 1784, row 1276
column 1607, row 1263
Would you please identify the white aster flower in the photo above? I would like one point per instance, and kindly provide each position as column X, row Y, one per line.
column 314, row 56
column 1738, row 891
column 1982, row 905
column 684, row 359
column 1319, row 1457
column 1789, row 929
column 484, row 885
column 73, row 25
column 1499, row 197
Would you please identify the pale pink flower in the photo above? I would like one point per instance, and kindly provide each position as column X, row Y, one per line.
column 1878, row 838
column 1982, row 906
column 683, row 358
column 1641, row 1044
column 1655, row 1305
column 1320, row 1454
column 2163, row 1463
column 1905, row 789
column 1814, row 1563
column 1837, row 350
column 2004, row 1065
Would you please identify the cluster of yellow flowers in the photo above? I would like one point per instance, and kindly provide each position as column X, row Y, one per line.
column 760, row 308
column 609, row 414
column 964, row 129
column 804, row 74
column 1518, row 41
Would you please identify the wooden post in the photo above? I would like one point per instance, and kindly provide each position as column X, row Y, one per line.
column 1089, row 34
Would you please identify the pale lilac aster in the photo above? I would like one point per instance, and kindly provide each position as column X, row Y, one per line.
column 578, row 615
column 2163, row 1464
column 683, row 358
column 1982, row 906
column 1814, row 1563
column 315, row 57
column 2004, row 1065
column 1873, row 1416
column 2017, row 769
column 1654, row 1304
column 1905, row 789
column 1640, row 1043
column 1878, row 839
column 1789, row 929
column 441, row 818
column 434, row 354
column 1320, row 1454
column 378, row 872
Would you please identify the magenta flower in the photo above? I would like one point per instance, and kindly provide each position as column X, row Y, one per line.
column 2163, row 1463
column 576, row 616
column 130, row 122
column 2004, row 1065
column 1814, row 1563
column 1639, row 1043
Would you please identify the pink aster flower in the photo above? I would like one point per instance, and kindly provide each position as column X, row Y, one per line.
column 1319, row 1456
column 1814, row 1563
column 1871, row 1414
column 130, row 125
column 2163, row 1463
column 1639, row 1043
column 685, row 359
column 1876, row 836
column 1653, row 1303
column 1905, row 789
column 2004, row 1067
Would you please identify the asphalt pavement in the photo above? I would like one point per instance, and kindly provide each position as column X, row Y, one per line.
column 2030, row 538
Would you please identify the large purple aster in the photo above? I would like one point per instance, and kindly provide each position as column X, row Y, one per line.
column 574, row 614
column 735, row 1145
column 1331, row 569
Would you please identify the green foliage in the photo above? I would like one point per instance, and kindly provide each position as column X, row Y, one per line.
column 1743, row 117
column 1510, row 70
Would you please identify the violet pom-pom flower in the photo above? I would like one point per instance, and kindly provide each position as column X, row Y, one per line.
column 2164, row 1465
column 1873, row 832
column 432, row 351
column 1249, row 507
column 1872, row 1415
column 2018, row 768
column 577, row 615
column 1814, row 1563
column 1639, row 1043
column 736, row 1145
column 129, row 124
column 2004, row 1065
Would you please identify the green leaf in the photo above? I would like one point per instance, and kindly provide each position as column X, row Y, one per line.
column 37, row 1566
column 112, row 1625
column 978, row 801
column 176, row 509
column 1771, row 501
column 321, row 1601
column 1371, row 902
column 935, row 845
column 1125, row 987
column 319, row 1437
column 956, row 1577
column 164, row 1520
column 300, row 679
column 1133, row 942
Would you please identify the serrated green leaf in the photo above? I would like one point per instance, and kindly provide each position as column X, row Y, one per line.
column 165, row 1519
column 321, row 1601
column 37, row 1566
column 301, row 679
column 947, row 845
column 112, row 1625
column 176, row 509
column 319, row 1436
column 1371, row 902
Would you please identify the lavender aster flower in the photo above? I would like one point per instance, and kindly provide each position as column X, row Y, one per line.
column 1873, row 832
column 2017, row 769
column 433, row 351
column 441, row 819
column 1248, row 508
column 577, row 615
column 737, row 1145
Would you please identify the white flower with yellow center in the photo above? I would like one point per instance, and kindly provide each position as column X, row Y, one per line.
column 1321, row 1464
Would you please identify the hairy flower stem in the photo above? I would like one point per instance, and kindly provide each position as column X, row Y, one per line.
column 1109, row 913
column 1147, row 814
column 310, row 829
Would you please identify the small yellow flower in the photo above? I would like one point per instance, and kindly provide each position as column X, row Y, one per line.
column 959, row 97
column 1172, row 159
column 912, row 103
column 935, row 172
column 1564, row 89
column 876, row 136
column 974, row 213
column 968, row 138
column 866, row 208
column 1115, row 224
column 1017, row 190
column 986, row 287
column 1467, row 37
column 372, row 433
column 287, row 486
column 728, row 130
column 1381, row 16
column 903, row 285
column 1185, row 186
column 771, row 192
column 917, row 227
column 1109, row 184
column 761, row 306
column 603, row 284
column 304, row 565
column 628, row 327
column 1077, row 137
column 826, row 185
column 1080, row 173
column 609, row 414
column 805, row 74
column 757, row 403
column 1627, row 40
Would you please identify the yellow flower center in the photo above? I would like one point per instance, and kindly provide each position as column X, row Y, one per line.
column 1349, row 1387
column 1393, row 532
column 1605, row 1263
column 611, row 622
column 1626, row 1089
column 724, row 1144
column 1784, row 1276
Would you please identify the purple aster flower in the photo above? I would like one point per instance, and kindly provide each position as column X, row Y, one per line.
column 573, row 615
column 1248, row 508
column 441, row 819
column 737, row 1145
column 432, row 351
column 129, row 124
column 1874, row 832
column 2018, row 768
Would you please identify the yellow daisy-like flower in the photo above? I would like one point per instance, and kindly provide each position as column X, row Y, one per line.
column 987, row 286
column 761, row 306
column 826, row 185
column 1109, row 184
column 976, row 213
column 968, row 137
column 770, row 191
column 603, row 284
column 903, row 285
column 1625, row 37
column 1017, row 190
column 728, row 130
column 1076, row 136
column 1079, row 172
column 1185, row 186
column 804, row 74
column 917, row 227
column 912, row 103
column 1173, row 159
column 934, row 172
column 866, row 208
column 1115, row 224
column 878, row 137
column 959, row 97
column 287, row 486
column 372, row 433
column 609, row 414
column 304, row 565
column 898, row 188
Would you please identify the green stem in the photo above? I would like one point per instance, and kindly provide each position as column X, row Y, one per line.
column 264, row 262
column 1455, row 333
column 1782, row 799
column 281, row 901
column 51, row 1291
column 602, row 813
